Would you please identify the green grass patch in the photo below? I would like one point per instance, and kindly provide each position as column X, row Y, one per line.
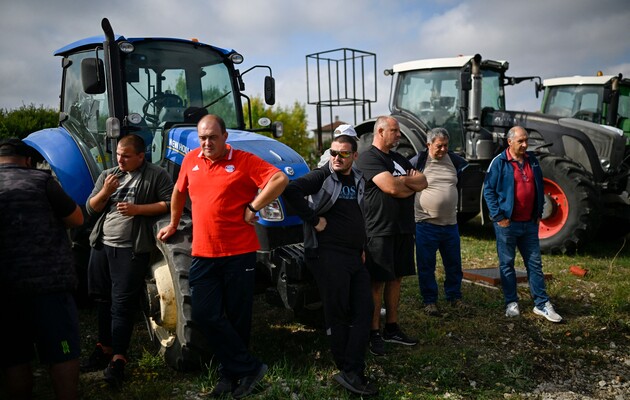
column 477, row 355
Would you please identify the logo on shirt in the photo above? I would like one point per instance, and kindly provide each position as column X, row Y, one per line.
column 196, row 168
column 398, row 170
column 348, row 193
column 229, row 168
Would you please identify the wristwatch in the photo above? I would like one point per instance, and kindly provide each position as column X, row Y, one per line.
column 251, row 208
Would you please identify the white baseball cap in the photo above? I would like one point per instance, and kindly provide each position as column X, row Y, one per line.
column 345, row 129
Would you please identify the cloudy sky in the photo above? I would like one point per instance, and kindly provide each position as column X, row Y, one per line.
column 547, row 38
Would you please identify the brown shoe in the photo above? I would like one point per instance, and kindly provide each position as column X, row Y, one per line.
column 431, row 310
column 459, row 306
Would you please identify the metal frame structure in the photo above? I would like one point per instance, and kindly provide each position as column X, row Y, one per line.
column 337, row 78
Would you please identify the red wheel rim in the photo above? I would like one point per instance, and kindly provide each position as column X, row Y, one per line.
column 560, row 210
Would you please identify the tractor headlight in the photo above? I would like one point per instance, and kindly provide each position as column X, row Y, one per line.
column 272, row 212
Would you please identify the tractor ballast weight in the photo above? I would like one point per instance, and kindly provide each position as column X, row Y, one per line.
column 585, row 165
column 158, row 88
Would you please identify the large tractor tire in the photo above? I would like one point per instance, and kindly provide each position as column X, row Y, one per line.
column 168, row 308
column 571, row 210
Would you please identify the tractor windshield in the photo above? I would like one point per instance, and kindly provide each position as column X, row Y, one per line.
column 165, row 83
column 578, row 101
column 171, row 82
column 434, row 96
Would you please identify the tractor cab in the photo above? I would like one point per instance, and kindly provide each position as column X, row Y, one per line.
column 601, row 99
column 452, row 93
column 164, row 82
column 113, row 86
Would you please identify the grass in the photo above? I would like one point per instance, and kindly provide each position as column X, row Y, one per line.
column 480, row 355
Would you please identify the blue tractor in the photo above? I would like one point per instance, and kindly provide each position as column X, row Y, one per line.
column 158, row 88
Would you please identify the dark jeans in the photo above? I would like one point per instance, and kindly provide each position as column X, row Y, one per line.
column 116, row 281
column 222, row 293
column 524, row 236
column 429, row 239
column 344, row 284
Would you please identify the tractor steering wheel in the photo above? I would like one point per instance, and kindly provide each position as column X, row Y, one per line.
column 585, row 115
column 161, row 100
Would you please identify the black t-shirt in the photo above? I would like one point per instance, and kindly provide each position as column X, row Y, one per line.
column 385, row 215
column 345, row 226
column 61, row 203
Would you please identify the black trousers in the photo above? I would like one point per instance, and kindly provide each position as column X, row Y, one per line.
column 344, row 286
column 116, row 281
column 222, row 295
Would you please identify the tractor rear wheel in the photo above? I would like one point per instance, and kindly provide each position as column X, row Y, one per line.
column 168, row 308
column 571, row 210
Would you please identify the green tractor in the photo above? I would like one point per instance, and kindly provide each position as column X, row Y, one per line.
column 601, row 99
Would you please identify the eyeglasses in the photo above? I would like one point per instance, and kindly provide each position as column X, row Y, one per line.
column 342, row 154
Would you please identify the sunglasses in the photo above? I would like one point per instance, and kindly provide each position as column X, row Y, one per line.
column 342, row 154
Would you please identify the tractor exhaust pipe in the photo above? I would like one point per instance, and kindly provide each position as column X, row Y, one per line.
column 474, row 95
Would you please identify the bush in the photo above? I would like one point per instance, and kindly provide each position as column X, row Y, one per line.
column 25, row 120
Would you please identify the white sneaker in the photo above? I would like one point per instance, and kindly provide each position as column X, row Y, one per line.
column 548, row 312
column 512, row 310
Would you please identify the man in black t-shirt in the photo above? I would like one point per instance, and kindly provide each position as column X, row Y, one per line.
column 37, row 276
column 334, row 237
column 391, row 183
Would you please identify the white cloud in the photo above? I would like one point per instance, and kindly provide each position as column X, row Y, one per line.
column 546, row 38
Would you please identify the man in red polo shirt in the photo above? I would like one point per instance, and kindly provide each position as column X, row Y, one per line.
column 223, row 184
column 513, row 190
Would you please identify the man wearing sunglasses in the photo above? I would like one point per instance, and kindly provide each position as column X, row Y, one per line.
column 391, row 183
column 334, row 237
column 343, row 129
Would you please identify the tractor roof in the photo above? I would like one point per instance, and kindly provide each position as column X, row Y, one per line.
column 451, row 62
column 91, row 42
column 578, row 80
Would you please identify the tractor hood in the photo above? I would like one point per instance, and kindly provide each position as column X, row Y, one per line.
column 600, row 149
column 181, row 140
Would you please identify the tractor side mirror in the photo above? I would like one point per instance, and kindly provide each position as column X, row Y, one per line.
column 270, row 90
column 93, row 75
column 538, row 87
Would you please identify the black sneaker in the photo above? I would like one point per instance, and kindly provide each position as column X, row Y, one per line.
column 399, row 337
column 97, row 361
column 377, row 345
column 115, row 373
column 355, row 383
column 224, row 386
column 248, row 383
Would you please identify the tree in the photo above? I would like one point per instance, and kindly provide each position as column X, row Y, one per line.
column 295, row 126
column 26, row 120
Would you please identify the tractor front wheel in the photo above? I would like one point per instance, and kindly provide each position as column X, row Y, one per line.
column 168, row 308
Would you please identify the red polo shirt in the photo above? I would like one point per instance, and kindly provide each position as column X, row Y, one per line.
column 524, row 189
column 220, row 192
